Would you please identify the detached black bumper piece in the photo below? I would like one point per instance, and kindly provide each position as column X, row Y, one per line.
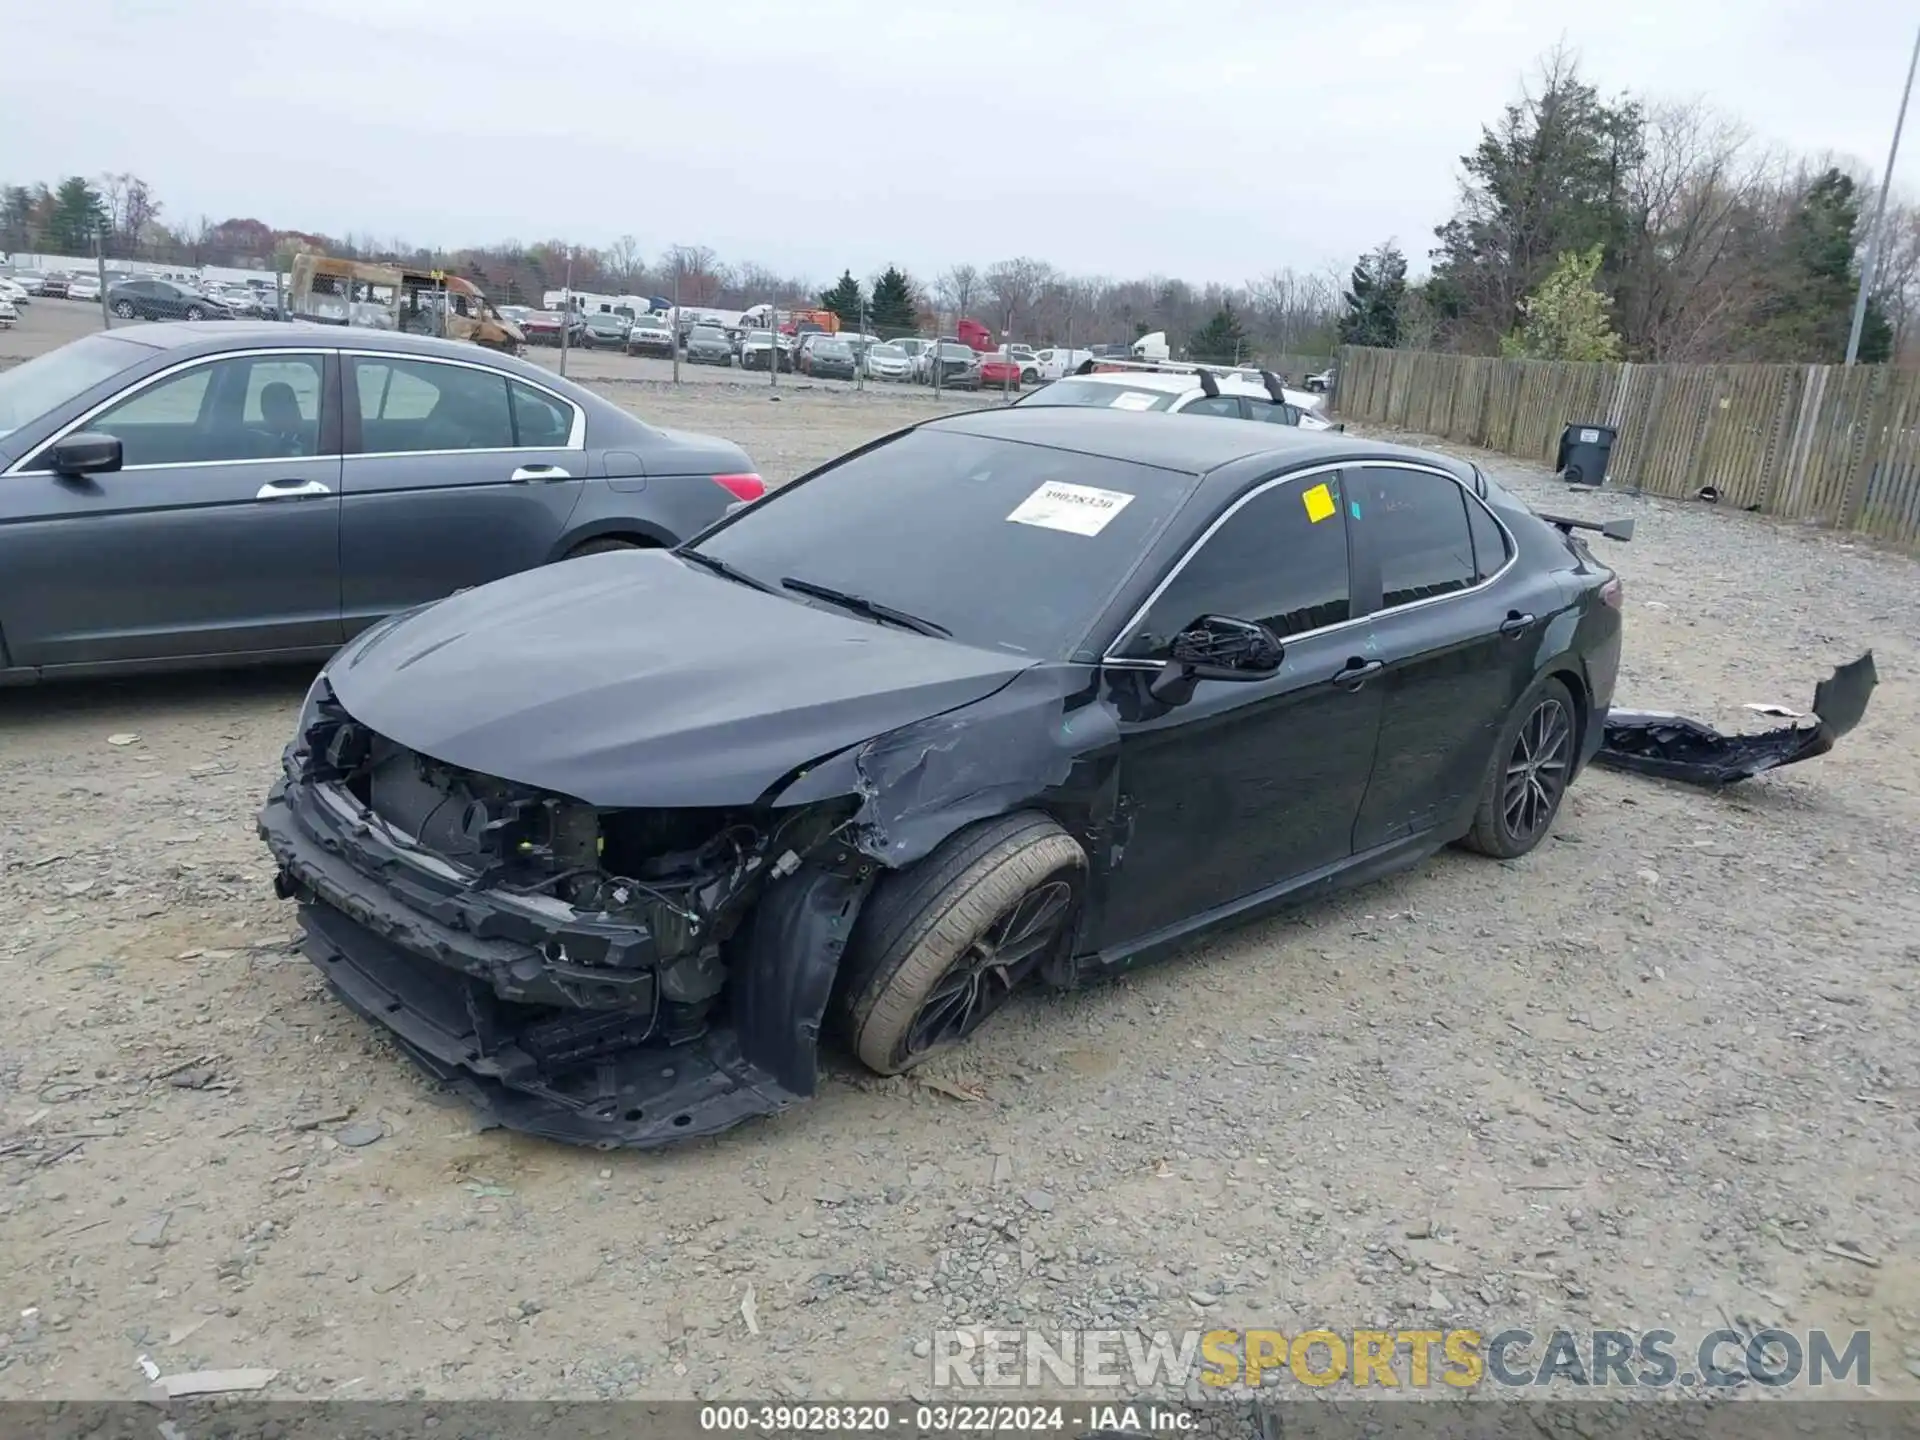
column 573, row 1053
column 1676, row 748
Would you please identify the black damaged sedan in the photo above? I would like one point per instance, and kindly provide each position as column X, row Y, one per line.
column 1011, row 698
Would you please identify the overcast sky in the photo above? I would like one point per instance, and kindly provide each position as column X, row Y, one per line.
column 1215, row 141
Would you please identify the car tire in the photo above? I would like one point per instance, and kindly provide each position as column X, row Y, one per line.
column 1029, row 377
column 920, row 975
column 1527, row 780
column 604, row 545
column 195, row 312
column 124, row 309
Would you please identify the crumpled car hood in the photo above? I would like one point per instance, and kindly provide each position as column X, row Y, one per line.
column 635, row 679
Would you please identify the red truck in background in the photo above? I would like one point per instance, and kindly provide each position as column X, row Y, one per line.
column 974, row 335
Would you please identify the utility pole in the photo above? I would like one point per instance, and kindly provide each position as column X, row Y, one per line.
column 860, row 349
column 1006, row 351
column 100, row 267
column 566, row 312
column 676, row 318
column 1879, row 209
column 773, row 350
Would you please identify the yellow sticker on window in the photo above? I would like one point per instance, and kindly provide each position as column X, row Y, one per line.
column 1319, row 503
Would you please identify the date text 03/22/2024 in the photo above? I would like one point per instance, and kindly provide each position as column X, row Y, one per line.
column 946, row 1419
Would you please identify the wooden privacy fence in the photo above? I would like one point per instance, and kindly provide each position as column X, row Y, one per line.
column 1834, row 444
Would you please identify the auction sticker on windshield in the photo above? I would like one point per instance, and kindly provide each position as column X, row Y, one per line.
column 1133, row 400
column 1077, row 509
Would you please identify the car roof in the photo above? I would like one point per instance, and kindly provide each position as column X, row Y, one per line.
column 260, row 334
column 217, row 338
column 1193, row 445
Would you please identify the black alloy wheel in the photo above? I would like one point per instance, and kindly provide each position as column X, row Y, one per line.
column 990, row 969
column 1537, row 770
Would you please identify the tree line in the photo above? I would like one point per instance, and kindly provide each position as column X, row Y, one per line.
column 1590, row 228
column 1586, row 227
column 1286, row 311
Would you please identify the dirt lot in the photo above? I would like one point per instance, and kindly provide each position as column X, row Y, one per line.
column 1647, row 1076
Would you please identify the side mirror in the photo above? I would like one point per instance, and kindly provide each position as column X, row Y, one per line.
column 87, row 452
column 1218, row 647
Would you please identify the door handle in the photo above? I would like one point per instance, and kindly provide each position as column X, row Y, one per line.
column 1357, row 672
column 1515, row 624
column 527, row 473
column 291, row 490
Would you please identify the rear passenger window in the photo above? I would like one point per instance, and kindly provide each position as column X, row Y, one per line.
column 1224, row 405
column 1489, row 541
column 409, row 406
column 1271, row 413
column 540, row 422
column 1417, row 523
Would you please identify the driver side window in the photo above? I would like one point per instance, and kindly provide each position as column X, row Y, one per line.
column 244, row 408
column 1280, row 559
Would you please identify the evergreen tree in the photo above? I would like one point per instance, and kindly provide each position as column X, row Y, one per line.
column 1220, row 341
column 78, row 217
column 843, row 299
column 1547, row 178
column 16, row 218
column 894, row 305
column 1811, row 312
column 1379, row 289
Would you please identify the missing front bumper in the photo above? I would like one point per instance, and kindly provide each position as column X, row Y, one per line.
column 1677, row 748
column 640, row 1097
column 482, row 1006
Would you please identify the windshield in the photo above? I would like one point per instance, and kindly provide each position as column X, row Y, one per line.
column 709, row 332
column 956, row 352
column 839, row 349
column 889, row 352
column 31, row 389
column 1099, row 393
column 1009, row 546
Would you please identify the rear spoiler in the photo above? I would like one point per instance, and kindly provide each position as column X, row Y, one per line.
column 1612, row 529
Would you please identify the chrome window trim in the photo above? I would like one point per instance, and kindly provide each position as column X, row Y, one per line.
column 1137, row 662
column 576, row 434
column 19, row 467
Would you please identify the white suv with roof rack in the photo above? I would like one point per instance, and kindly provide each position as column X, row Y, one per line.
column 1184, row 389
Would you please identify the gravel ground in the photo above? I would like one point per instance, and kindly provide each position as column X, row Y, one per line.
column 1653, row 1074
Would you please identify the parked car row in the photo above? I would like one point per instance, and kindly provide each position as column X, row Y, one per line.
column 145, row 296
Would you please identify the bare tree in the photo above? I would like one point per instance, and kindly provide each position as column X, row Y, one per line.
column 131, row 208
column 1683, row 281
column 1896, row 278
column 1012, row 286
column 623, row 263
column 956, row 288
column 1292, row 313
column 702, row 276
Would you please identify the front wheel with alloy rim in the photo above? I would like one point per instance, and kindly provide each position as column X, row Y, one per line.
column 194, row 312
column 1530, row 773
column 941, row 945
column 124, row 309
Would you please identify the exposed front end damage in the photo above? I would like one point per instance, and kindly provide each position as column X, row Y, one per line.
column 566, row 966
column 624, row 976
column 1676, row 748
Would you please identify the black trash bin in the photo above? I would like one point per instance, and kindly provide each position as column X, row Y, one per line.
column 1584, row 450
